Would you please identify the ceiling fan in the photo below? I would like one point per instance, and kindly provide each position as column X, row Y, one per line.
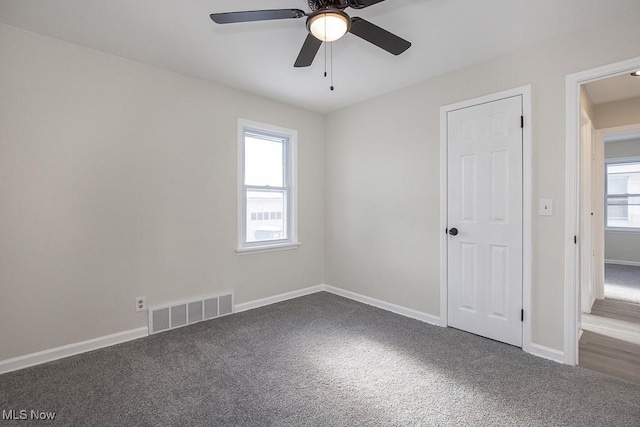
column 327, row 22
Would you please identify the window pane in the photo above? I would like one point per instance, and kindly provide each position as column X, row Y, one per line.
column 623, row 216
column 265, row 228
column 617, row 212
column 617, row 184
column 263, row 162
column 623, row 178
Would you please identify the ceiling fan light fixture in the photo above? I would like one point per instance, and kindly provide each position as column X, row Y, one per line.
column 328, row 25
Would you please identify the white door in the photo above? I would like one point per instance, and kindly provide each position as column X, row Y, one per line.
column 485, row 219
column 586, row 259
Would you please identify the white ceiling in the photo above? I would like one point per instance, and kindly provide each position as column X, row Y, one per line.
column 258, row 57
column 613, row 89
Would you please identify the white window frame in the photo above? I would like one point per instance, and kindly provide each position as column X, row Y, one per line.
column 616, row 161
column 290, row 186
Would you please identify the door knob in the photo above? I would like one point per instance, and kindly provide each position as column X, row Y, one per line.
column 453, row 231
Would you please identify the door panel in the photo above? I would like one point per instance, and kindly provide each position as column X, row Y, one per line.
column 499, row 186
column 468, row 276
column 468, row 179
column 485, row 206
column 499, row 273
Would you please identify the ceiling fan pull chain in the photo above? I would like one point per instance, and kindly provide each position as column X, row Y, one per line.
column 325, row 50
column 331, row 64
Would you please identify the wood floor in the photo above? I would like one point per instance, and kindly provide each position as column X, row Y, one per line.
column 610, row 342
column 616, row 310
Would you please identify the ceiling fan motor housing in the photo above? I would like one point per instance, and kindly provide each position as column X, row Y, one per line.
column 327, row 4
column 327, row 22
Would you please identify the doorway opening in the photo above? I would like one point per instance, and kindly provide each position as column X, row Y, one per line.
column 622, row 282
column 622, row 211
column 602, row 311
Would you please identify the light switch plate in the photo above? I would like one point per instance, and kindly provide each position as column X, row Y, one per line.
column 546, row 207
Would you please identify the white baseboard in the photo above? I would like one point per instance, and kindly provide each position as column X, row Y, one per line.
column 277, row 298
column 408, row 312
column 546, row 353
column 52, row 354
column 414, row 314
column 622, row 262
column 25, row 361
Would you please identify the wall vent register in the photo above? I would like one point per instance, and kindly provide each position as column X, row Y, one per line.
column 175, row 315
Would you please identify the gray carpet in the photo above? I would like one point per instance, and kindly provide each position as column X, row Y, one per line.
column 622, row 283
column 319, row 360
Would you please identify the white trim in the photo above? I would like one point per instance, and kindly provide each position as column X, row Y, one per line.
column 278, row 298
column 52, row 354
column 547, row 353
column 267, row 248
column 398, row 309
column 622, row 262
column 598, row 241
column 527, row 202
column 527, row 220
column 571, row 275
column 407, row 312
column 45, row 356
column 444, row 220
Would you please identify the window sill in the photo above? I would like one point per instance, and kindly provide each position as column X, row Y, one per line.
column 622, row 230
column 267, row 248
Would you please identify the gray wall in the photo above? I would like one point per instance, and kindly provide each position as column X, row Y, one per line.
column 382, row 180
column 617, row 113
column 617, row 149
column 117, row 180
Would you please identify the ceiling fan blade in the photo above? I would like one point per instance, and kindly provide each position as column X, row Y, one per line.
column 308, row 52
column 378, row 36
column 256, row 15
column 361, row 4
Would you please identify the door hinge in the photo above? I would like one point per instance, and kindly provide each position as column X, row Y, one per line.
column 522, row 122
column 522, row 315
column 575, row 240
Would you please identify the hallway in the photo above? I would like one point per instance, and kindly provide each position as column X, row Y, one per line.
column 622, row 282
column 610, row 342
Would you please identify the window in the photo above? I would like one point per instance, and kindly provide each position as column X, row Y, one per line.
column 622, row 209
column 266, row 191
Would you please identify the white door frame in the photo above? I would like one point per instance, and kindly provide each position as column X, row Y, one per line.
column 572, row 200
column 525, row 92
